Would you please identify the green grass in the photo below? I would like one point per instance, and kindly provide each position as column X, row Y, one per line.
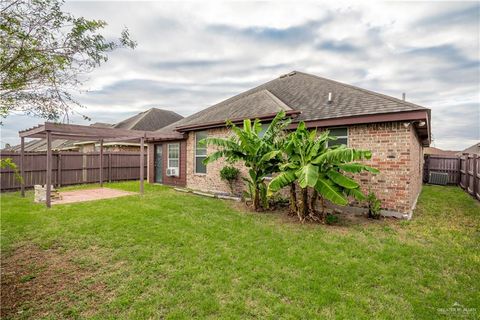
column 179, row 256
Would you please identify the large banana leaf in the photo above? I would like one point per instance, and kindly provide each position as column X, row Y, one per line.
column 356, row 167
column 342, row 154
column 270, row 155
column 328, row 190
column 308, row 176
column 282, row 180
column 220, row 142
column 356, row 193
column 341, row 180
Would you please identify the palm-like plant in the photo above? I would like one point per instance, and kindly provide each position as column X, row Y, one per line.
column 260, row 153
column 309, row 161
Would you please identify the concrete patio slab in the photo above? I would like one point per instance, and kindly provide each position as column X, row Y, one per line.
column 90, row 195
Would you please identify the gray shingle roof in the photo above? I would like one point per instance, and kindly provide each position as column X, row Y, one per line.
column 150, row 120
column 302, row 92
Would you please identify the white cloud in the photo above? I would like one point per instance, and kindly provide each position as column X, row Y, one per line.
column 192, row 55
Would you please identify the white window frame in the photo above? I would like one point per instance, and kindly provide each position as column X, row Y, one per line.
column 340, row 137
column 195, row 156
column 168, row 156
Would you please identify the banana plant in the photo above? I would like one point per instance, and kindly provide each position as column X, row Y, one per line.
column 308, row 161
column 260, row 153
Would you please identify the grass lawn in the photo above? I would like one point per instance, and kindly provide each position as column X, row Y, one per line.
column 179, row 256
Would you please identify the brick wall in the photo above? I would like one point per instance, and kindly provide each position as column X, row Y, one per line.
column 416, row 155
column 396, row 153
column 211, row 181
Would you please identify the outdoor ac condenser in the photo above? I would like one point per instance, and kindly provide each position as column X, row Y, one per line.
column 438, row 178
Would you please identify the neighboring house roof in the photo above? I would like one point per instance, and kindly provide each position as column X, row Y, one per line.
column 439, row 152
column 475, row 149
column 150, row 120
column 102, row 125
column 301, row 92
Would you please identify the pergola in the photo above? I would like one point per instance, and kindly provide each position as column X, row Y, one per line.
column 52, row 131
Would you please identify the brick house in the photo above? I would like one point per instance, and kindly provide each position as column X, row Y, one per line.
column 395, row 130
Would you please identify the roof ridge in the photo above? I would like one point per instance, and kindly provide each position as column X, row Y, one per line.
column 142, row 115
column 381, row 95
column 277, row 100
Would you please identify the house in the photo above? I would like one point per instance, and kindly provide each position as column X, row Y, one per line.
column 432, row 151
column 475, row 149
column 395, row 130
column 149, row 120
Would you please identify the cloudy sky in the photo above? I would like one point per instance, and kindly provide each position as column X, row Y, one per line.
column 192, row 55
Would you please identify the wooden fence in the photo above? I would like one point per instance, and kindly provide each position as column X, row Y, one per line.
column 470, row 174
column 69, row 168
column 463, row 170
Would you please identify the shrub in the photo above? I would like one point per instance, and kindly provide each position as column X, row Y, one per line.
column 331, row 219
column 374, row 206
column 229, row 174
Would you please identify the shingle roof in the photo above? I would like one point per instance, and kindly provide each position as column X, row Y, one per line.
column 473, row 149
column 302, row 92
column 439, row 152
column 150, row 120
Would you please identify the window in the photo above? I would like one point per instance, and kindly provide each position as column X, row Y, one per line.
column 341, row 134
column 264, row 129
column 173, row 155
column 200, row 152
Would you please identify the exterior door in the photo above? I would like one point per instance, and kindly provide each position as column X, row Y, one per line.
column 158, row 163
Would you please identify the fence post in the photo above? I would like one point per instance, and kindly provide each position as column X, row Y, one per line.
column 84, row 167
column 109, row 167
column 426, row 168
column 22, row 166
column 474, row 177
column 59, row 169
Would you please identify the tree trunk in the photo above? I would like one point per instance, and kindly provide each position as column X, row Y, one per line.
column 313, row 201
column 304, row 208
column 256, row 199
column 293, row 199
column 322, row 202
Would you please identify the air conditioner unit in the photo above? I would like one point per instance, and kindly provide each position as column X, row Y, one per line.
column 440, row 178
column 172, row 172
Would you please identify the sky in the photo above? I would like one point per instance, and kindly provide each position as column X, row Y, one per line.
column 191, row 55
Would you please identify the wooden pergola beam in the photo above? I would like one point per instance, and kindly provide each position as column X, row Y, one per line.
column 52, row 131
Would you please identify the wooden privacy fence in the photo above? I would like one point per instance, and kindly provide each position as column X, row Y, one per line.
column 463, row 170
column 450, row 165
column 69, row 168
column 470, row 174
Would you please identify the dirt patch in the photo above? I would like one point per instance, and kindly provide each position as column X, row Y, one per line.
column 346, row 219
column 34, row 282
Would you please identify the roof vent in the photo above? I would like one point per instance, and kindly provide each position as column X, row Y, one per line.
column 283, row 75
column 403, row 96
column 292, row 73
column 330, row 97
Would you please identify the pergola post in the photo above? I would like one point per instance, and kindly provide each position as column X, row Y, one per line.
column 142, row 162
column 49, row 170
column 22, row 165
column 101, row 163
